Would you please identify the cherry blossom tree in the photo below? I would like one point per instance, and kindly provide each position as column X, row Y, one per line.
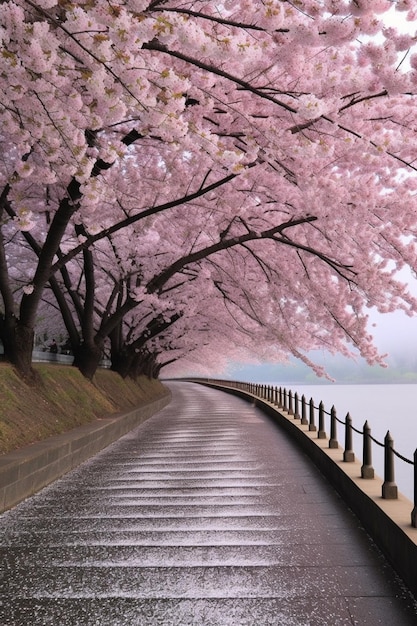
column 264, row 148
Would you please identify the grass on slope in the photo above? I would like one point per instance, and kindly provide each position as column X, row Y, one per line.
column 63, row 399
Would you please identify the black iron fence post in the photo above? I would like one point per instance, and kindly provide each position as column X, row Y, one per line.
column 304, row 419
column 348, row 454
column 414, row 511
column 389, row 488
column 296, row 403
column 290, row 406
column 333, row 443
column 367, row 471
column 312, row 425
column 322, row 428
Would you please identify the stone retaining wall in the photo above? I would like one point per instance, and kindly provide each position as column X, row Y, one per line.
column 25, row 471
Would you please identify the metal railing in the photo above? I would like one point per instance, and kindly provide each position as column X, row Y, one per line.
column 41, row 356
column 307, row 411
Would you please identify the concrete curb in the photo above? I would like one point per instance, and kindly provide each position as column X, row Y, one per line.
column 388, row 522
column 26, row 471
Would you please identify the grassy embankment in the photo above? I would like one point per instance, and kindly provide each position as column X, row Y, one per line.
column 63, row 400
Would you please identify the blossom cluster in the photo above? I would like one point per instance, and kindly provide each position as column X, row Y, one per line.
column 248, row 166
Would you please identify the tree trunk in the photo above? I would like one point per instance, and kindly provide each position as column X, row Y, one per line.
column 120, row 355
column 122, row 361
column 87, row 358
column 18, row 346
column 143, row 363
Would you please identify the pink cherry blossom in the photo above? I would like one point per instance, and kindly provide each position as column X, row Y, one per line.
column 176, row 178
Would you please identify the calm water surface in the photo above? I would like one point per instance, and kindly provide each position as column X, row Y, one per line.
column 386, row 407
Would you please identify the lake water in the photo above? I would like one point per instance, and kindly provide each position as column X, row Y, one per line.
column 385, row 407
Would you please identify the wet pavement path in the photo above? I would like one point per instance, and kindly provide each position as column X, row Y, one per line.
column 205, row 515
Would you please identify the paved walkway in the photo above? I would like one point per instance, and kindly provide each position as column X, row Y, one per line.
column 204, row 515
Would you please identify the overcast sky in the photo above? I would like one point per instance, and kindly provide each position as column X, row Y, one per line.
column 396, row 331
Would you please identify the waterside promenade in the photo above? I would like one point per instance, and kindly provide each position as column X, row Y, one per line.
column 207, row 514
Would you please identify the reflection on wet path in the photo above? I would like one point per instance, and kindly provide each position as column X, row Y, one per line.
column 204, row 515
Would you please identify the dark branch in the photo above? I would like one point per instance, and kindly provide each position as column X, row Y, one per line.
column 158, row 47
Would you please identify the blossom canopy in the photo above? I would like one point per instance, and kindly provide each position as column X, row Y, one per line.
column 178, row 176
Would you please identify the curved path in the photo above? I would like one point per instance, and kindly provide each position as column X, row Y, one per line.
column 204, row 515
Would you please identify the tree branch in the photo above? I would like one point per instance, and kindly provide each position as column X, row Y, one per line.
column 135, row 218
column 158, row 47
column 157, row 282
column 218, row 20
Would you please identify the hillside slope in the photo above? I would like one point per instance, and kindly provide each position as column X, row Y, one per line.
column 64, row 399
